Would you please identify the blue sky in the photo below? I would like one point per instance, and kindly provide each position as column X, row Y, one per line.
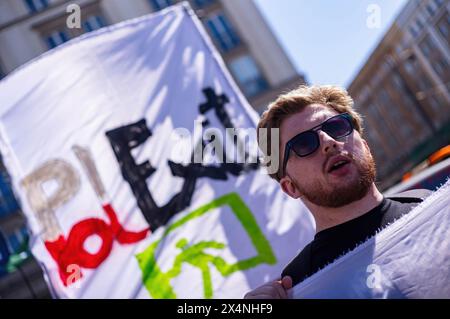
column 328, row 40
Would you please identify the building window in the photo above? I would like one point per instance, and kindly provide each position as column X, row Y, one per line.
column 398, row 81
column 411, row 103
column 395, row 113
column 439, row 2
column 57, row 38
column 431, row 9
column 427, row 46
column 419, row 25
column 422, row 82
column 440, row 66
column 444, row 27
column 93, row 23
column 248, row 75
column 8, row 202
column 55, row 32
column 18, row 240
column 203, row 3
column 411, row 65
column 161, row 4
column 413, row 31
column 36, row 5
column 223, row 32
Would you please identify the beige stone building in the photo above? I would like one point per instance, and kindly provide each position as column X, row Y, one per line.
column 253, row 55
column 403, row 90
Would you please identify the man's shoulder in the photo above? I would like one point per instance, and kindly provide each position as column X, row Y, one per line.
column 300, row 267
column 403, row 203
column 410, row 196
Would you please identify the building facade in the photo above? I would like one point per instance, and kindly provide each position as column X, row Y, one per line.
column 252, row 53
column 403, row 90
column 20, row 275
column 29, row 28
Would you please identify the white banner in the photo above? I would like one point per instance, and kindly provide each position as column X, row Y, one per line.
column 408, row 259
column 95, row 135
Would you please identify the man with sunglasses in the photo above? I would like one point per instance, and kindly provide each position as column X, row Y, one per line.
column 327, row 164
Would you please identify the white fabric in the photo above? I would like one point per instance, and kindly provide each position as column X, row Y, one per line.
column 151, row 68
column 408, row 259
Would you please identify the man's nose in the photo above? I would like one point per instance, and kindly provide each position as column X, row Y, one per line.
column 327, row 143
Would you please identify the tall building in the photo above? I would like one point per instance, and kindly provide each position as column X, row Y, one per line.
column 28, row 28
column 252, row 53
column 20, row 275
column 403, row 90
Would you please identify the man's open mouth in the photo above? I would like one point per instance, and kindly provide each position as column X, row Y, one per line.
column 338, row 165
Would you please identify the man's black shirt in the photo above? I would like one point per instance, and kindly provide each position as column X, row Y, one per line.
column 333, row 242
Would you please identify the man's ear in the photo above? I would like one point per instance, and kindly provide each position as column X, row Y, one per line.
column 288, row 186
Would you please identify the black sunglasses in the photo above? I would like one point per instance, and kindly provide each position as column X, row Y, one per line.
column 308, row 142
